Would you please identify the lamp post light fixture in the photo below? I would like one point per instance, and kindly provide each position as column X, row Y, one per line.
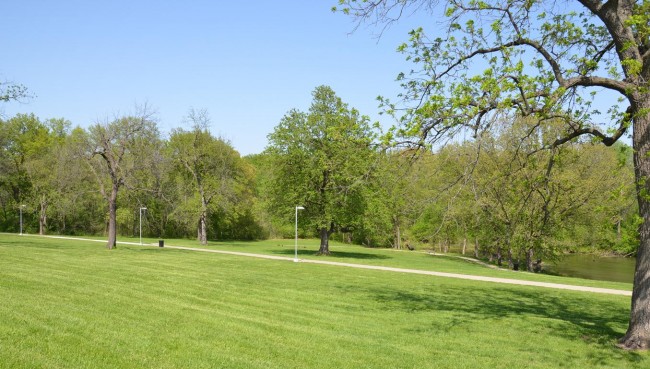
column 21, row 219
column 141, row 224
column 295, row 258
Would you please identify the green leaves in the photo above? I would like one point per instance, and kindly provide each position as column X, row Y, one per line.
column 212, row 177
column 321, row 159
column 528, row 58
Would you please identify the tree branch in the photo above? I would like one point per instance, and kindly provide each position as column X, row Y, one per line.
column 606, row 140
column 594, row 81
column 593, row 5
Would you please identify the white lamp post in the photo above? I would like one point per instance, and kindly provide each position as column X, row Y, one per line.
column 295, row 258
column 141, row 224
column 21, row 219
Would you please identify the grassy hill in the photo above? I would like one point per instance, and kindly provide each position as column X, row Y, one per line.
column 73, row 304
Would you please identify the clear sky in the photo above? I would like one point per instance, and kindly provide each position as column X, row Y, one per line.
column 246, row 62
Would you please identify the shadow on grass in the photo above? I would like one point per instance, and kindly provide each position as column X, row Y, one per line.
column 145, row 249
column 38, row 243
column 595, row 321
column 333, row 254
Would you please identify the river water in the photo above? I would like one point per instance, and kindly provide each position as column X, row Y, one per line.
column 616, row 269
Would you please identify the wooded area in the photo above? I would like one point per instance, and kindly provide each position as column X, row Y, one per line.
column 498, row 197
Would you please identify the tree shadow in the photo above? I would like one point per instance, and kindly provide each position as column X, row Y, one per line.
column 334, row 254
column 37, row 243
column 594, row 321
column 145, row 249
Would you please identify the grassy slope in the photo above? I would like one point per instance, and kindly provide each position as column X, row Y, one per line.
column 72, row 304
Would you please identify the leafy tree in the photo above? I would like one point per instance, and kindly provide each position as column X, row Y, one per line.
column 114, row 152
column 396, row 193
column 321, row 160
column 23, row 139
column 528, row 204
column 607, row 221
column 44, row 157
column 543, row 59
column 270, row 224
column 380, row 223
column 210, row 167
column 75, row 206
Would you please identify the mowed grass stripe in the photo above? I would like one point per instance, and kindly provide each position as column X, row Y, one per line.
column 353, row 254
column 178, row 301
column 77, row 305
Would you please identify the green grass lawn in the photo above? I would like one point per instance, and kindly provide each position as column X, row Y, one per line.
column 74, row 304
column 383, row 257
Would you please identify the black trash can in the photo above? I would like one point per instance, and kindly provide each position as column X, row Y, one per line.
column 161, row 243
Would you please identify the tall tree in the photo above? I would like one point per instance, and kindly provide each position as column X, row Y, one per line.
column 114, row 151
column 76, row 206
column 210, row 165
column 320, row 160
column 21, row 139
column 44, row 157
column 544, row 59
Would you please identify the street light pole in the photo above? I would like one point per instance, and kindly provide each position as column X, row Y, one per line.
column 295, row 258
column 21, row 219
column 141, row 224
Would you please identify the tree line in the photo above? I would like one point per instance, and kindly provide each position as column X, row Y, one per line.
column 94, row 180
column 498, row 196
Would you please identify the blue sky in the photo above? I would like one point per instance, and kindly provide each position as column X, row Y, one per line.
column 246, row 62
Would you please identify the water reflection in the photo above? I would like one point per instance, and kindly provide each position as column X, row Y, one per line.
column 616, row 269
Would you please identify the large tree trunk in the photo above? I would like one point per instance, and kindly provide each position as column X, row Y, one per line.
column 476, row 248
column 638, row 331
column 324, row 241
column 202, row 232
column 112, row 219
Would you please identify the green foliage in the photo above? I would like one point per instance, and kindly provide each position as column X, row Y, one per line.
column 497, row 62
column 321, row 160
column 494, row 192
column 487, row 191
column 213, row 183
column 546, row 60
column 28, row 151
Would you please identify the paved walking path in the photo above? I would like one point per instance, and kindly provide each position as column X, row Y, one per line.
column 376, row 267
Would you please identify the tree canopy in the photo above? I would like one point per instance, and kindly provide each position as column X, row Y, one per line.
column 548, row 60
column 321, row 160
column 208, row 166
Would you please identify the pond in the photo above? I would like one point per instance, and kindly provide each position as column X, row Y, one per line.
column 616, row 269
